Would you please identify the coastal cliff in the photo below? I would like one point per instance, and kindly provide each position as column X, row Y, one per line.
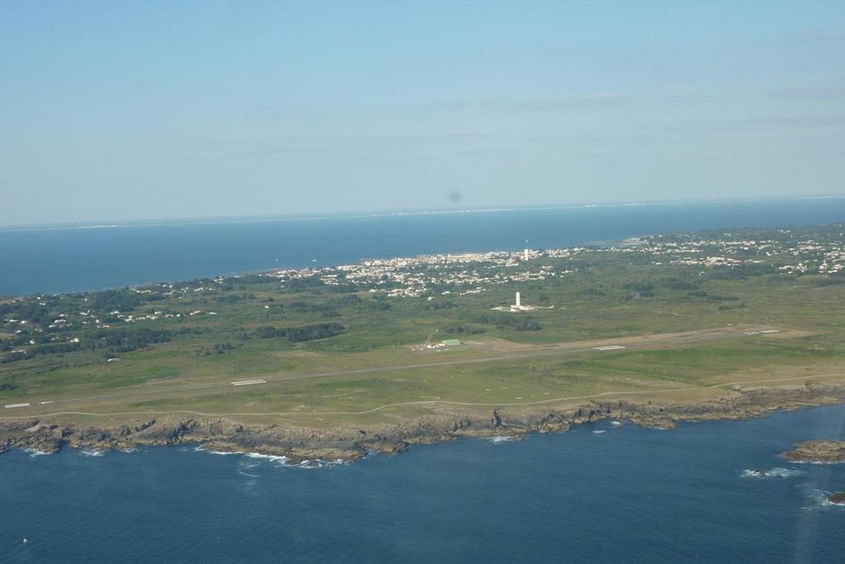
column 352, row 442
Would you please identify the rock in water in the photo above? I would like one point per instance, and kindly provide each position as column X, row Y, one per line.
column 817, row 451
column 838, row 498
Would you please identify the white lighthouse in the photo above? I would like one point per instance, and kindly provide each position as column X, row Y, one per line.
column 518, row 306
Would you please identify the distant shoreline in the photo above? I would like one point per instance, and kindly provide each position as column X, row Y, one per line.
column 305, row 216
column 51, row 262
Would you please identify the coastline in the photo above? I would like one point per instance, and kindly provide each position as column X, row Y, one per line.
column 331, row 363
column 310, row 446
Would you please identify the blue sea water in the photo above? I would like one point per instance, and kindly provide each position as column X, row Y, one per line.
column 79, row 258
column 625, row 495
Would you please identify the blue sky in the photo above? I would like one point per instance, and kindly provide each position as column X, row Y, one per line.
column 116, row 111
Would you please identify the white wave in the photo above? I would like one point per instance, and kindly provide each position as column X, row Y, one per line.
column 320, row 463
column 784, row 472
column 773, row 473
column 223, row 452
column 818, row 499
column 91, row 452
column 599, row 431
column 616, row 423
column 199, row 448
column 248, row 475
column 499, row 439
column 129, row 450
column 33, row 452
column 270, row 457
column 308, row 463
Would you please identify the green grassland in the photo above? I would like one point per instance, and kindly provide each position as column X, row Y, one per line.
column 307, row 339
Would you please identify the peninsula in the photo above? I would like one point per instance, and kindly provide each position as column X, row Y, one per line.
column 334, row 362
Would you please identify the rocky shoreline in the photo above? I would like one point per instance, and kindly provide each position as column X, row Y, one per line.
column 818, row 452
column 349, row 443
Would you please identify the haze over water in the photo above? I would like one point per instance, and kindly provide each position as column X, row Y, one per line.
column 80, row 258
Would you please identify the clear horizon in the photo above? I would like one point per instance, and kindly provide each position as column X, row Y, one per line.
column 194, row 110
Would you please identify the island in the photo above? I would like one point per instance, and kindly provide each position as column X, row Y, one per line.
column 332, row 363
column 818, row 451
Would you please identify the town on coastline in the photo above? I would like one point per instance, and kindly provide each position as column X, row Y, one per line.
column 334, row 361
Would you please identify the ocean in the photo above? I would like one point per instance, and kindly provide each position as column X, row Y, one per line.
column 88, row 257
column 598, row 493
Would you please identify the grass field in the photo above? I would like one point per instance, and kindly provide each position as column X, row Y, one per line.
column 259, row 327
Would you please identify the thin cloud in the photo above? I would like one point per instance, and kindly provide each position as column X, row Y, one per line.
column 549, row 104
column 750, row 124
column 794, row 121
column 809, row 92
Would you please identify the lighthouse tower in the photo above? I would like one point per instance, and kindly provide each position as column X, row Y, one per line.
column 518, row 303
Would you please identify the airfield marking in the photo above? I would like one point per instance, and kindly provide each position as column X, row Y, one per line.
column 433, row 402
column 553, row 350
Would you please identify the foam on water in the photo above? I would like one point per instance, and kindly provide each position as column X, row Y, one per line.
column 816, row 462
column 91, row 452
column 773, row 473
column 269, row 457
column 279, row 460
column 204, row 448
column 319, row 463
column 818, row 499
column 499, row 439
column 599, row 431
column 33, row 452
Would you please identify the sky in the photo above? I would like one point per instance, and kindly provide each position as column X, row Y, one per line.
column 116, row 111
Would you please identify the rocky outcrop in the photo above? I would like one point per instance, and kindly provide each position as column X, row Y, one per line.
column 837, row 498
column 820, row 451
